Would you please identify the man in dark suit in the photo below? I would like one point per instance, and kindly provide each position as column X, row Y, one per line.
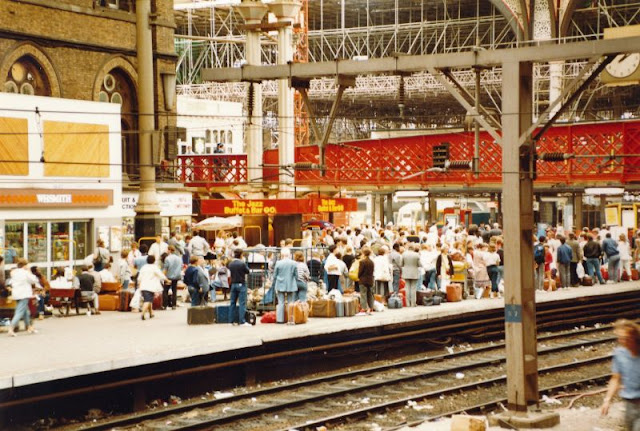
column 365, row 278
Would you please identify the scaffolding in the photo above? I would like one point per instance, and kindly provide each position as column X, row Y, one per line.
column 212, row 36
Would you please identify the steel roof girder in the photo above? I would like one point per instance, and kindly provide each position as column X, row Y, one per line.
column 542, row 52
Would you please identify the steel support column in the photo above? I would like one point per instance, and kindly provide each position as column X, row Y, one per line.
column 147, row 210
column 517, row 166
column 577, row 211
column 433, row 209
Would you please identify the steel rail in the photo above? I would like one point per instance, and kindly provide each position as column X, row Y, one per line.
column 479, row 329
column 138, row 418
column 497, row 402
column 338, row 418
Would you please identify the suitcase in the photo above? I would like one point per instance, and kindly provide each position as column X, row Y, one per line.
column 423, row 296
column 339, row 308
column 587, row 280
column 436, row 300
column 109, row 302
column 394, row 301
column 157, row 301
column 124, row 298
column 223, row 314
column 625, row 276
column 351, row 305
column 454, row 292
column 635, row 275
column 322, row 308
column 605, row 273
column 550, row 285
column 201, row 315
column 106, row 287
column 299, row 310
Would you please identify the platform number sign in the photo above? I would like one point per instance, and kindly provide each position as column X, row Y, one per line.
column 513, row 313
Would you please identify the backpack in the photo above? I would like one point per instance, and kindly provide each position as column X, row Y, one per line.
column 353, row 271
column 538, row 253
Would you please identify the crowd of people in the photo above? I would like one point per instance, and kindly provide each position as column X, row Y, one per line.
column 371, row 260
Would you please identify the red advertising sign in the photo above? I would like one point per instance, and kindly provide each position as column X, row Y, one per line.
column 233, row 207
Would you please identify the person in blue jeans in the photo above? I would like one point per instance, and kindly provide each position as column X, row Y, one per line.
column 197, row 281
column 610, row 249
column 592, row 253
column 238, row 294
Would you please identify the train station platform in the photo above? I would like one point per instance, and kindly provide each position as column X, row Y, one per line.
column 82, row 345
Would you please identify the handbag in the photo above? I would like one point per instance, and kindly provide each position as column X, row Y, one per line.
column 353, row 271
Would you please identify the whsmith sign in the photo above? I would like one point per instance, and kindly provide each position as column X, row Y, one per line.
column 54, row 198
column 277, row 206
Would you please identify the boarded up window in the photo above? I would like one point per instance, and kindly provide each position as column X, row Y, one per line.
column 14, row 146
column 76, row 150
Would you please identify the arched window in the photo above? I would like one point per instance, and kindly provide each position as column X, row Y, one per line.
column 27, row 76
column 117, row 87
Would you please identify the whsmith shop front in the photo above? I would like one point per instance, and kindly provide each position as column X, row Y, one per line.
column 267, row 221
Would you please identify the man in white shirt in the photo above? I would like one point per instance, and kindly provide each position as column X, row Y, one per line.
column 198, row 246
column 428, row 257
column 106, row 276
column 158, row 248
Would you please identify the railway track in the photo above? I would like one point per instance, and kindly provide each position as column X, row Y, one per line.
column 385, row 393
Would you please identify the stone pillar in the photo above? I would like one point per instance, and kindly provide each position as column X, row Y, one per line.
column 603, row 206
column 147, row 221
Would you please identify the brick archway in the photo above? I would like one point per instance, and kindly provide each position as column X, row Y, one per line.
column 114, row 63
column 38, row 55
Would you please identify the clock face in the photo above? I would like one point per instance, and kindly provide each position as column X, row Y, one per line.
column 623, row 65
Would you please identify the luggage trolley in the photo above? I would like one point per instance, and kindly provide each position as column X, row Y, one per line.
column 260, row 265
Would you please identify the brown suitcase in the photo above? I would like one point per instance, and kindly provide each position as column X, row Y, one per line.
column 109, row 302
column 157, row 301
column 454, row 292
column 322, row 308
column 110, row 287
column 201, row 315
column 587, row 280
column 550, row 285
column 634, row 274
column 124, row 297
column 625, row 276
column 422, row 296
column 299, row 310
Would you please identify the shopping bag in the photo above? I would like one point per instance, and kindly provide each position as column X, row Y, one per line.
column 135, row 300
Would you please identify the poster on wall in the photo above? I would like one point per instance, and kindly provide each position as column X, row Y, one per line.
column 116, row 238
column 103, row 234
column 611, row 216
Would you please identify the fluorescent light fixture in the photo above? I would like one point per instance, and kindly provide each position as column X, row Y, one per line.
column 604, row 190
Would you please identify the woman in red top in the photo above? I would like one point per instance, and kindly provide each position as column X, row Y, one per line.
column 548, row 258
